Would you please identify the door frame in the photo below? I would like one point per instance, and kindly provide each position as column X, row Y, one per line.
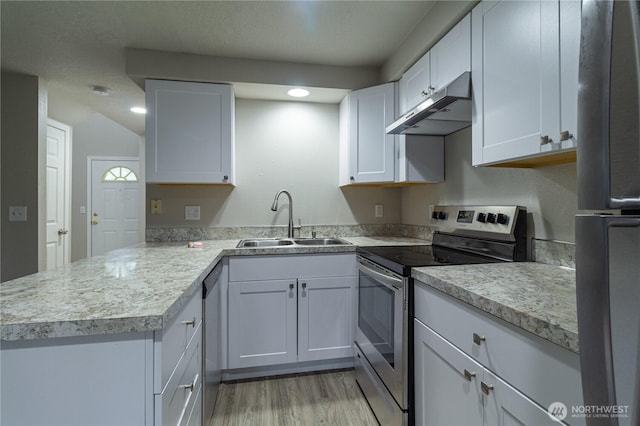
column 141, row 207
column 67, row 188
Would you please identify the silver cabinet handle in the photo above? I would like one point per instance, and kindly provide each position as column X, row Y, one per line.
column 304, row 285
column 291, row 286
column 565, row 136
column 469, row 375
column 477, row 339
column 545, row 140
column 192, row 322
column 62, row 232
column 189, row 386
column 486, row 388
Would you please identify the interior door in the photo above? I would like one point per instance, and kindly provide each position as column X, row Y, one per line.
column 115, row 204
column 57, row 198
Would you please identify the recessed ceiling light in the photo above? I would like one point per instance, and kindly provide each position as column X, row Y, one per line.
column 298, row 93
column 139, row 110
column 100, row 91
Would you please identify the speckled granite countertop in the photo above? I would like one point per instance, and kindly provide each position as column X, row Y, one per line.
column 536, row 297
column 128, row 290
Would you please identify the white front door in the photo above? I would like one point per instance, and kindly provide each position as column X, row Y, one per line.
column 115, row 204
column 58, row 194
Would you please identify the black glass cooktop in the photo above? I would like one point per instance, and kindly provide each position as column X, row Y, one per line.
column 400, row 259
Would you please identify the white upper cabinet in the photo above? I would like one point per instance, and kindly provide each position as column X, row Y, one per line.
column 415, row 84
column 447, row 59
column 189, row 132
column 367, row 151
column 370, row 156
column 525, row 73
column 451, row 56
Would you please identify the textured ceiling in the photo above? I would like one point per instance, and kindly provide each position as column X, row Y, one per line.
column 75, row 45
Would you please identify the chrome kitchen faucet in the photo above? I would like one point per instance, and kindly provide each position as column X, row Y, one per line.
column 274, row 207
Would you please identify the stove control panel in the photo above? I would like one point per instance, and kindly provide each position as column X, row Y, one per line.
column 499, row 220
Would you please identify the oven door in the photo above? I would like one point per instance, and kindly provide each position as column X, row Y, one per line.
column 382, row 327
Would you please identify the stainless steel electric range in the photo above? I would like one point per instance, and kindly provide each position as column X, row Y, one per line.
column 384, row 335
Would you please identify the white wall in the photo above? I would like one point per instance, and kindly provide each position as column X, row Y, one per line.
column 288, row 145
column 548, row 193
column 96, row 136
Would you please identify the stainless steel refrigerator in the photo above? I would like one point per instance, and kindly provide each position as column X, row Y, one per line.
column 608, row 242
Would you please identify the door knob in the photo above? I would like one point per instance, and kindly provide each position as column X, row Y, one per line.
column 95, row 214
column 94, row 222
column 62, row 232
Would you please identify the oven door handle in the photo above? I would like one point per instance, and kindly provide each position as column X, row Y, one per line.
column 392, row 283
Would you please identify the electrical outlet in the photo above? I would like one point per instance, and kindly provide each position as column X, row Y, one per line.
column 191, row 212
column 17, row 213
column 379, row 210
column 156, row 206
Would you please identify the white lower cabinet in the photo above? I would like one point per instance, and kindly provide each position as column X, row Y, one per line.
column 453, row 389
column 262, row 323
column 143, row 378
column 446, row 382
column 278, row 320
column 472, row 369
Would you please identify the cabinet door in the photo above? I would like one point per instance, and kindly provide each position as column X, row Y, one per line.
column 451, row 56
column 447, row 388
column 504, row 405
column 515, row 64
column 570, row 16
column 415, row 84
column 325, row 318
column 371, row 149
column 189, row 132
column 262, row 323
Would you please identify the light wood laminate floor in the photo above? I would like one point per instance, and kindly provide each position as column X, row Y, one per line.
column 313, row 399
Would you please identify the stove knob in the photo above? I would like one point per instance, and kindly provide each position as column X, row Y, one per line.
column 442, row 215
column 491, row 218
column 502, row 219
column 482, row 217
column 434, row 215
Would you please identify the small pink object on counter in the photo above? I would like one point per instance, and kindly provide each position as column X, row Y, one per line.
column 195, row 244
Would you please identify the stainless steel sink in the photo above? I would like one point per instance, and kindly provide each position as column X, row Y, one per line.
column 265, row 242
column 278, row 242
column 319, row 241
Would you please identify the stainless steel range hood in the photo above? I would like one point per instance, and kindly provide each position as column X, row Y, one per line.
column 446, row 111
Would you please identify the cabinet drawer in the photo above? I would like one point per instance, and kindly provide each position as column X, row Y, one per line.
column 254, row 268
column 540, row 369
column 183, row 385
column 171, row 342
column 193, row 413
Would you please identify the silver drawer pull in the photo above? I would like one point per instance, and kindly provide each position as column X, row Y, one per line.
column 304, row 285
column 469, row 375
column 545, row 140
column 477, row 339
column 486, row 388
column 192, row 322
column 291, row 286
column 189, row 386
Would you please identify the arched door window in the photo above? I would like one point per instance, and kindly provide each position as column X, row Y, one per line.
column 119, row 174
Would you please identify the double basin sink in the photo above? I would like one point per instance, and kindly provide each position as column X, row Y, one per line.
column 280, row 242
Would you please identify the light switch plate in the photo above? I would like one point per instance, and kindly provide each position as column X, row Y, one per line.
column 191, row 212
column 17, row 213
column 379, row 210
